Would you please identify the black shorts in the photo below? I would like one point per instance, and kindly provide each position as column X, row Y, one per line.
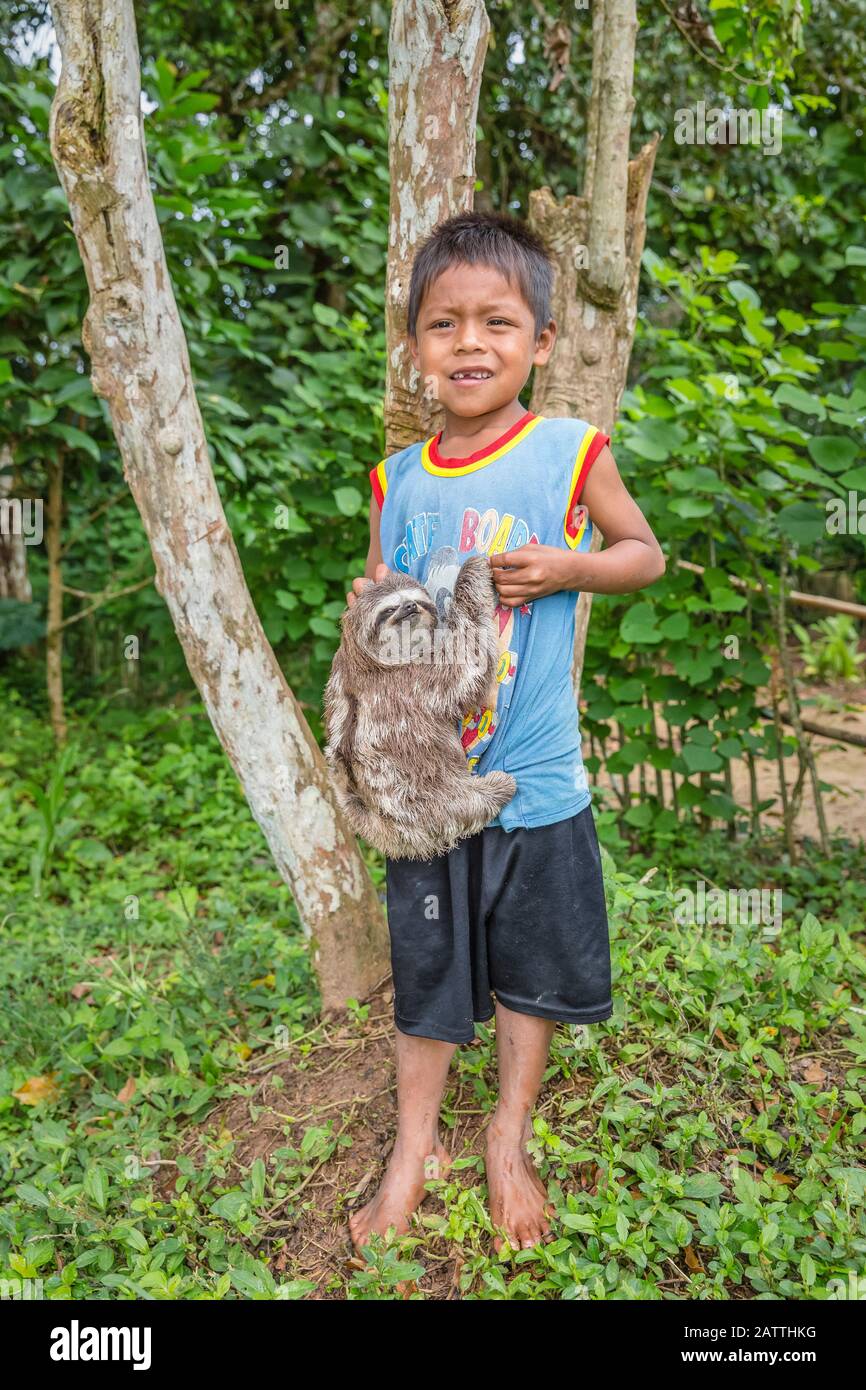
column 519, row 912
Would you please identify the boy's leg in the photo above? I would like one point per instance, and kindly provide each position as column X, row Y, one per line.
column 548, row 951
column 418, row 1153
column 518, row 1199
column 439, row 970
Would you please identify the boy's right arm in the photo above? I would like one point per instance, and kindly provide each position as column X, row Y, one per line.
column 374, row 555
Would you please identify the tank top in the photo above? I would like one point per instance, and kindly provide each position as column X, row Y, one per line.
column 523, row 489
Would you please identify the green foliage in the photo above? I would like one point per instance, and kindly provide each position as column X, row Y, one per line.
column 737, row 439
column 829, row 651
column 159, row 971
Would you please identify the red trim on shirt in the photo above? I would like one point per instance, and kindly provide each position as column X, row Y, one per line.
column 376, row 486
column 436, row 457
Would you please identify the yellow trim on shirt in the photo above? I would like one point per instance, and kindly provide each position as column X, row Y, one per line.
column 457, row 472
column 574, row 541
column 382, row 477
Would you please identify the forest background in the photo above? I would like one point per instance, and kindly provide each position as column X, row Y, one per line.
column 740, row 432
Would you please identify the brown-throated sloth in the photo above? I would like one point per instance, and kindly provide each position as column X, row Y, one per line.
column 404, row 675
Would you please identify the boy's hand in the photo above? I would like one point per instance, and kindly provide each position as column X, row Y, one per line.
column 532, row 571
column 358, row 584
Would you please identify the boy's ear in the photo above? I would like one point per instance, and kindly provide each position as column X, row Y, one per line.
column 413, row 348
column 544, row 344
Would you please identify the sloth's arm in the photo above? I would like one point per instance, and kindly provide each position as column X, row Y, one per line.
column 338, row 711
column 465, row 652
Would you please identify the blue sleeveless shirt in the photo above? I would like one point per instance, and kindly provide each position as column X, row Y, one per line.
column 523, row 489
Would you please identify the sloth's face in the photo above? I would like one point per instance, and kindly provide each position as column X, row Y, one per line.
column 396, row 625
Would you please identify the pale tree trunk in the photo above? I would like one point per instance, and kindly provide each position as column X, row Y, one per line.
column 14, row 579
column 54, row 614
column 435, row 63
column 140, row 365
column 597, row 241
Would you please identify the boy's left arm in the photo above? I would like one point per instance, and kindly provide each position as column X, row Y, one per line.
column 631, row 560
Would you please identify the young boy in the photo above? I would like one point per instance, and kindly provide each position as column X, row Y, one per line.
column 517, row 909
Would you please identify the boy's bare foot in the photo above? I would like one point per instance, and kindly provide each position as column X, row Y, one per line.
column 401, row 1191
column 518, row 1198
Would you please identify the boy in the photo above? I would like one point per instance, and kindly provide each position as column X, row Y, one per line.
column 517, row 909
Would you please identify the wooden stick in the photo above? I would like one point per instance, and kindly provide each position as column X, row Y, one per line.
column 832, row 605
column 813, row 727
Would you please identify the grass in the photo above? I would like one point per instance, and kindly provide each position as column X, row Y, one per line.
column 176, row 1122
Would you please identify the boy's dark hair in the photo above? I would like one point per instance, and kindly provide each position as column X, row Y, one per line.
column 487, row 238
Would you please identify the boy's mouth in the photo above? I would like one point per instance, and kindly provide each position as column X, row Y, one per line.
column 472, row 374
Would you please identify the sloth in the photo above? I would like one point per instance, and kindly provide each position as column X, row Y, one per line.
column 406, row 671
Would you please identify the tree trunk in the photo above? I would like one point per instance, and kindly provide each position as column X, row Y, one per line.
column 597, row 241
column 436, row 53
column 14, row 580
column 54, row 616
column 140, row 365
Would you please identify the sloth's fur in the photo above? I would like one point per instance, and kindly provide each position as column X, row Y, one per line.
column 405, row 673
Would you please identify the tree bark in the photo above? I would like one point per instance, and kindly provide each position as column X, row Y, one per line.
column 436, row 59
column 14, row 579
column 140, row 365
column 597, row 242
column 54, row 614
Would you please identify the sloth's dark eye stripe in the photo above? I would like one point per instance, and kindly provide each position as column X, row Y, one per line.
column 383, row 615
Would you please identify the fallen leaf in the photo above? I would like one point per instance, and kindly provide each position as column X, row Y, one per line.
column 38, row 1089
column 814, row 1073
column 127, row 1091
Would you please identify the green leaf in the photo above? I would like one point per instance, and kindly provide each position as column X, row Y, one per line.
column 697, row 758
column 30, row 1194
column 704, row 1186
column 727, row 600
column 804, row 522
column 75, row 438
column 324, row 313
column 686, row 390
column 654, row 439
column 798, row 399
column 349, row 500
column 834, row 452
column 855, row 255
column 639, row 624
column 131, row 1235
column 258, row 1174
column 792, row 322
column 233, row 1207
column 675, row 627
column 96, row 1186
column 691, row 506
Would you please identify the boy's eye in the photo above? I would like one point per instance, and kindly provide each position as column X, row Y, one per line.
column 446, row 323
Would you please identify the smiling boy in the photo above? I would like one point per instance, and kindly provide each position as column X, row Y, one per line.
column 516, row 911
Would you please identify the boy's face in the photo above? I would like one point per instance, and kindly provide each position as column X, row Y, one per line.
column 476, row 340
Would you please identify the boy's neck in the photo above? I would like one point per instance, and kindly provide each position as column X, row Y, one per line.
column 464, row 434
